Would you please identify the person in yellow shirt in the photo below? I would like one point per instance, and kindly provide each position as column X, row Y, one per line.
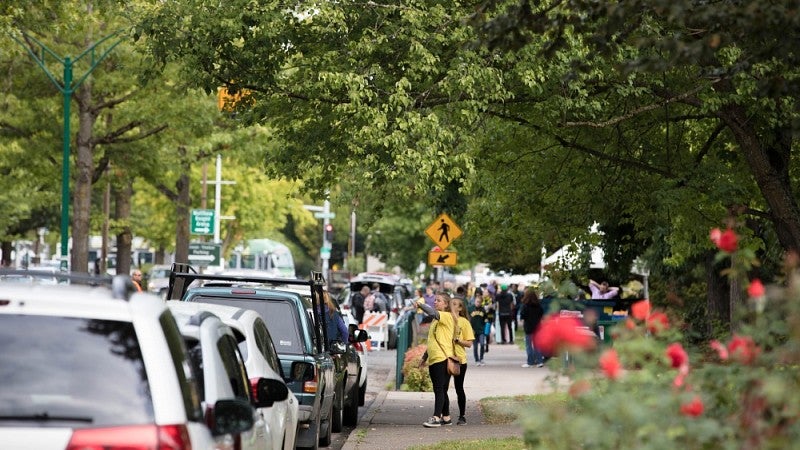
column 441, row 345
column 463, row 341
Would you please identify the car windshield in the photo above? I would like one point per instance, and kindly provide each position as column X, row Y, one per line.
column 280, row 316
column 61, row 371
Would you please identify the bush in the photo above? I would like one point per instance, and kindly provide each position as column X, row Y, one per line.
column 649, row 392
column 415, row 371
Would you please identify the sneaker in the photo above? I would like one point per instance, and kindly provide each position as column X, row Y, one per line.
column 526, row 365
column 540, row 365
column 433, row 422
column 461, row 421
column 447, row 421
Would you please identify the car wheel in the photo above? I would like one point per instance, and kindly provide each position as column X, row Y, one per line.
column 362, row 394
column 325, row 439
column 336, row 419
column 351, row 408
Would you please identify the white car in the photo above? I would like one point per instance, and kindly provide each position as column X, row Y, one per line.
column 99, row 367
column 215, row 356
column 261, row 360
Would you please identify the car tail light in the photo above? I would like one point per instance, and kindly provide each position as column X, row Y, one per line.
column 395, row 310
column 358, row 346
column 310, row 386
column 144, row 437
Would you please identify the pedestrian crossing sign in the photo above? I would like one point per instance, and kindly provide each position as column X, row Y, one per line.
column 443, row 231
column 442, row 258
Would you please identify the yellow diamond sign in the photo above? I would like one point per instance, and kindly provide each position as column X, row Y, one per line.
column 443, row 231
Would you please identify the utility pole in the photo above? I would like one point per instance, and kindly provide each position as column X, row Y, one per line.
column 67, row 88
column 218, row 182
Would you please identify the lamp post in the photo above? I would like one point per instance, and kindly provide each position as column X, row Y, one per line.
column 67, row 88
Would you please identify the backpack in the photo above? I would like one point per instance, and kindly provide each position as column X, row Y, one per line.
column 369, row 302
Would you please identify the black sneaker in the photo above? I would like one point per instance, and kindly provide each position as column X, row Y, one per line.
column 447, row 421
column 433, row 422
column 461, row 421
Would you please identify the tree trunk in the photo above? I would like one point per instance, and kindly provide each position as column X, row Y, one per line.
column 6, row 247
column 122, row 216
column 718, row 302
column 84, row 173
column 769, row 163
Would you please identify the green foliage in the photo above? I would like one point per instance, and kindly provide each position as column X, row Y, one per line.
column 415, row 371
column 713, row 399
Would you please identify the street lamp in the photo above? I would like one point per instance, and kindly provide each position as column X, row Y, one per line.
column 67, row 87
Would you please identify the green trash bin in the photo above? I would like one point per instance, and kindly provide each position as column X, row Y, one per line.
column 605, row 328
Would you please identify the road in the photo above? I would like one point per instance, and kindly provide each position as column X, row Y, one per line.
column 380, row 370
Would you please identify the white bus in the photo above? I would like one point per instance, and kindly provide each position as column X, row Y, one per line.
column 266, row 255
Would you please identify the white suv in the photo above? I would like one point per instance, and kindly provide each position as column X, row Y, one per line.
column 86, row 367
column 261, row 360
column 214, row 352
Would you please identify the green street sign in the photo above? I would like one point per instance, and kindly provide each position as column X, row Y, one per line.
column 203, row 254
column 202, row 221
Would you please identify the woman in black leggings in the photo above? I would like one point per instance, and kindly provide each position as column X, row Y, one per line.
column 440, row 347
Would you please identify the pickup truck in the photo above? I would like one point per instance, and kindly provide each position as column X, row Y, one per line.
column 315, row 372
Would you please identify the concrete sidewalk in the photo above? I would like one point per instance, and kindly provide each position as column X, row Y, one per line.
column 394, row 420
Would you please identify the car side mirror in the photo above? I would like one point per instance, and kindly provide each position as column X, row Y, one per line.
column 267, row 391
column 338, row 348
column 360, row 335
column 231, row 416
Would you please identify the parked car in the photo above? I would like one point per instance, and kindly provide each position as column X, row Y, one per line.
column 261, row 361
column 296, row 329
column 394, row 288
column 216, row 359
column 100, row 366
column 351, row 369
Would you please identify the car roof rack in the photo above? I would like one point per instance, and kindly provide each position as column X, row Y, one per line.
column 183, row 275
column 121, row 285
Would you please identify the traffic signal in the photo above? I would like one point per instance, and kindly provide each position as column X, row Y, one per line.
column 329, row 232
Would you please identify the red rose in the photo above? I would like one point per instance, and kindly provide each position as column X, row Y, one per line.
column 715, row 235
column 721, row 350
column 610, row 365
column 677, row 355
column 657, row 322
column 556, row 332
column 756, row 289
column 728, row 241
column 641, row 309
column 743, row 349
column 694, row 408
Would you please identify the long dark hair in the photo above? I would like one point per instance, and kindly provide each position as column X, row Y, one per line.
column 530, row 296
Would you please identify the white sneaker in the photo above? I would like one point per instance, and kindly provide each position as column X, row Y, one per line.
column 540, row 365
column 526, row 365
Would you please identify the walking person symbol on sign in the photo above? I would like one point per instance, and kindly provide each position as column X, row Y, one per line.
column 444, row 228
column 443, row 231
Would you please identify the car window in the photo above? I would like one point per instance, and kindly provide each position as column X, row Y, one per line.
column 190, row 387
column 266, row 346
column 280, row 316
column 88, row 372
column 234, row 366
